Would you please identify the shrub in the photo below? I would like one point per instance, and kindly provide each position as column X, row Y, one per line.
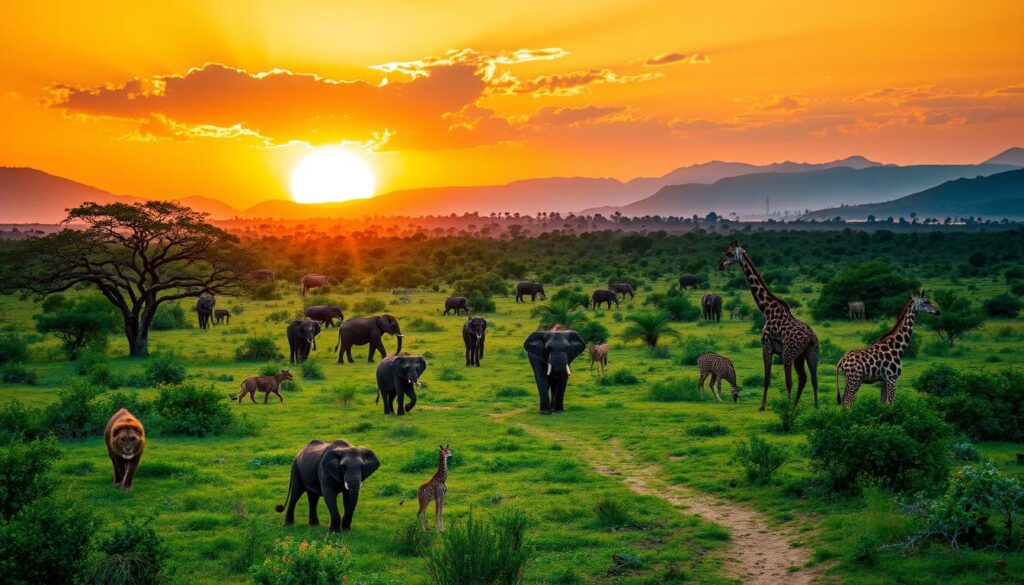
column 258, row 349
column 574, row 296
column 343, row 394
column 85, row 323
column 480, row 303
column 759, row 459
column 424, row 459
column 421, row 325
column 787, row 413
column 829, row 352
column 169, row 316
column 450, row 374
column 1004, row 305
column 73, row 415
column 883, row 288
column 619, row 378
column 18, row 422
column 694, row 347
column 25, row 476
column 983, row 405
column 305, row 562
column 132, row 553
column 679, row 308
column 12, row 349
column 966, row 451
column 902, row 446
column 707, row 429
column 190, row 410
column 958, row 316
column 311, row 370
column 15, row 373
column 558, row 313
column 648, row 327
column 410, row 540
column 480, row 552
column 592, row 332
column 165, row 369
column 370, row 305
column 611, row 513
column 675, row 390
column 46, row 542
column 511, row 392
column 330, row 301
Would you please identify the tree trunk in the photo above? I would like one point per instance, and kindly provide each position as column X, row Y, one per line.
column 138, row 339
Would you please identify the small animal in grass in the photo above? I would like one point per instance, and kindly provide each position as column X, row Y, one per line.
column 267, row 384
column 599, row 354
column 222, row 316
column 435, row 489
column 719, row 368
column 126, row 440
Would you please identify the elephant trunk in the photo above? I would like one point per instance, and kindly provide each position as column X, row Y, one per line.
column 411, row 393
column 558, row 363
column 399, row 350
column 353, row 481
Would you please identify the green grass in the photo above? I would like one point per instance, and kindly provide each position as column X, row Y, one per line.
column 213, row 498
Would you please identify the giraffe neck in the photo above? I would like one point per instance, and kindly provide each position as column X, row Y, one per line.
column 905, row 326
column 442, row 469
column 758, row 288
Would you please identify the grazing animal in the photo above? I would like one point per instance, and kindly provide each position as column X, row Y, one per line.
column 711, row 306
column 719, row 368
column 204, row 308
column 126, row 440
column 436, row 490
column 301, row 338
column 882, row 362
column 456, row 304
column 688, row 281
column 222, row 316
column 474, row 334
column 398, row 376
column 550, row 353
column 266, row 384
column 328, row 470
column 599, row 354
column 603, row 296
column 367, row 330
column 311, row 281
column 622, row 288
column 533, row 289
column 783, row 334
column 325, row 314
column 264, row 274
column 856, row 310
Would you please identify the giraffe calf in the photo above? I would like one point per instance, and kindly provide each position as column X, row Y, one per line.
column 599, row 354
column 719, row 368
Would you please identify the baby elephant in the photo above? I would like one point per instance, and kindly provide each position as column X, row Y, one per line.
column 267, row 384
column 222, row 316
column 720, row 368
column 599, row 354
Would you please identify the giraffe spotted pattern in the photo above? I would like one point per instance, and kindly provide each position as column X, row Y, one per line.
column 719, row 368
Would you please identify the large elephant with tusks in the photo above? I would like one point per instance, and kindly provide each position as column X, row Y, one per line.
column 367, row 330
column 204, row 308
column 550, row 353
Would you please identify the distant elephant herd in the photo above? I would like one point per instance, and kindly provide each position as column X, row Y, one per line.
column 330, row 470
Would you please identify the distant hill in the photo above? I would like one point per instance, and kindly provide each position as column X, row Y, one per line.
column 1010, row 156
column 992, row 197
column 814, row 189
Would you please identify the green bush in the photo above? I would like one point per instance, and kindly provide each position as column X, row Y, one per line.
column 308, row 563
column 16, row 373
column 421, row 325
column 132, row 554
column 73, row 415
column 19, row 422
column 480, row 302
column 451, row 374
column 370, row 305
column 648, row 327
column 675, row 390
column 258, row 349
column 759, row 459
column 558, row 313
column 311, row 370
column 25, row 476
column 707, row 429
column 787, row 414
column 902, row 446
column 82, row 324
column 592, row 332
column 13, row 349
column 983, row 405
column 191, row 410
column 165, row 368
column 959, row 316
column 611, row 513
column 1004, row 305
column 410, row 540
column 169, row 316
column 680, row 308
column 619, row 378
column 882, row 286
column 424, row 459
column 511, row 392
column 480, row 552
column 694, row 347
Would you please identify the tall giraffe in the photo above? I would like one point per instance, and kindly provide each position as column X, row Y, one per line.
column 436, row 490
column 783, row 334
column 882, row 362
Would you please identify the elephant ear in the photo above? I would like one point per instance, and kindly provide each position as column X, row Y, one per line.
column 421, row 366
column 534, row 344
column 370, row 462
column 316, row 328
column 332, row 465
column 382, row 323
column 576, row 345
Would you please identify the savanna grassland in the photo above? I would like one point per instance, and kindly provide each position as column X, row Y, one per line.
column 212, row 498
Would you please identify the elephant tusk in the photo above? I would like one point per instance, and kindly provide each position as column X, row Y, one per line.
column 346, row 486
column 398, row 335
column 549, row 369
column 568, row 372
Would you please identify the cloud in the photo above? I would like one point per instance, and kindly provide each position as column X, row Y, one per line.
column 782, row 103
column 1014, row 90
column 565, row 84
column 552, row 116
column 665, row 59
column 699, row 58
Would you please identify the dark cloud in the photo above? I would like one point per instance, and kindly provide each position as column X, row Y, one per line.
column 665, row 59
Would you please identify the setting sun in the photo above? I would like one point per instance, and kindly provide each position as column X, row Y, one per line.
column 330, row 175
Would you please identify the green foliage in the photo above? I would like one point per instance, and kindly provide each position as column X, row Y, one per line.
column 511, row 392
column 165, row 368
column 759, row 459
column 169, row 316
column 132, row 553
column 965, row 451
column 1005, row 305
column 976, row 494
column 480, row 552
column 592, row 332
column 421, row 325
column 619, row 378
column 558, row 313
column 648, row 327
column 84, row 323
column 958, row 316
column 679, row 308
column 293, row 562
column 485, row 284
column 987, row 406
column 327, row 300
column 882, row 287
column 787, row 414
column 370, row 305
column 829, row 352
column 694, row 347
column 73, row 415
column 902, row 446
column 18, row 422
column 24, row 477
column 574, row 296
column 191, row 410
column 675, row 390
column 13, row 349
column 451, row 374
column 311, row 370
column 707, row 429
column 480, row 303
column 258, row 349
column 15, row 373
column 424, row 459
column 611, row 513
column 410, row 540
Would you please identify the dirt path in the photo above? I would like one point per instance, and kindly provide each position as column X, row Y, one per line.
column 759, row 554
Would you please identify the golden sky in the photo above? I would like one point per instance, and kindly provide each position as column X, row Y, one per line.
column 223, row 98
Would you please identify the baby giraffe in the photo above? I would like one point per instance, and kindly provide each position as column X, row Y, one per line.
column 435, row 489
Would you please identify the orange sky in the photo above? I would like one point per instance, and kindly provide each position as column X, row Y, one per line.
column 222, row 98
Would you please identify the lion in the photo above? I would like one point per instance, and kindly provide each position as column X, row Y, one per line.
column 126, row 439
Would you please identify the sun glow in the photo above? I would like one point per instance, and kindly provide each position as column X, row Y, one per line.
column 329, row 175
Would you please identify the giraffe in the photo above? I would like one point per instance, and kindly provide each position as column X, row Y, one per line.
column 882, row 361
column 783, row 334
column 435, row 489
column 719, row 368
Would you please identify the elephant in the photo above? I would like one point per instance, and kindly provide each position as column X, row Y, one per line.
column 550, row 353
column 329, row 469
column 204, row 307
column 325, row 314
column 367, row 330
column 533, row 289
column 456, row 304
column 622, row 288
column 711, row 306
column 222, row 316
column 604, row 296
column 397, row 377
column 264, row 274
column 311, row 281
column 301, row 337
column 856, row 310
column 689, row 281
column 474, row 333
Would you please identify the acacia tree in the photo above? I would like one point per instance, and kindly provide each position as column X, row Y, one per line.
column 137, row 255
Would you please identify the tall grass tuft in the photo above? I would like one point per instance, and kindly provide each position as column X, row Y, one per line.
column 481, row 552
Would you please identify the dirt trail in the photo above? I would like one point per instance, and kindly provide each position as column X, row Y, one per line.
column 759, row 554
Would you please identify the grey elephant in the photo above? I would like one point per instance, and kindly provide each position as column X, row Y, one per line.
column 397, row 377
column 550, row 353
column 533, row 289
column 622, row 288
column 325, row 314
column 689, row 281
column 474, row 334
column 222, row 316
column 367, row 330
column 328, row 470
column 204, row 308
column 456, row 304
column 604, row 296
column 711, row 307
column 301, row 337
